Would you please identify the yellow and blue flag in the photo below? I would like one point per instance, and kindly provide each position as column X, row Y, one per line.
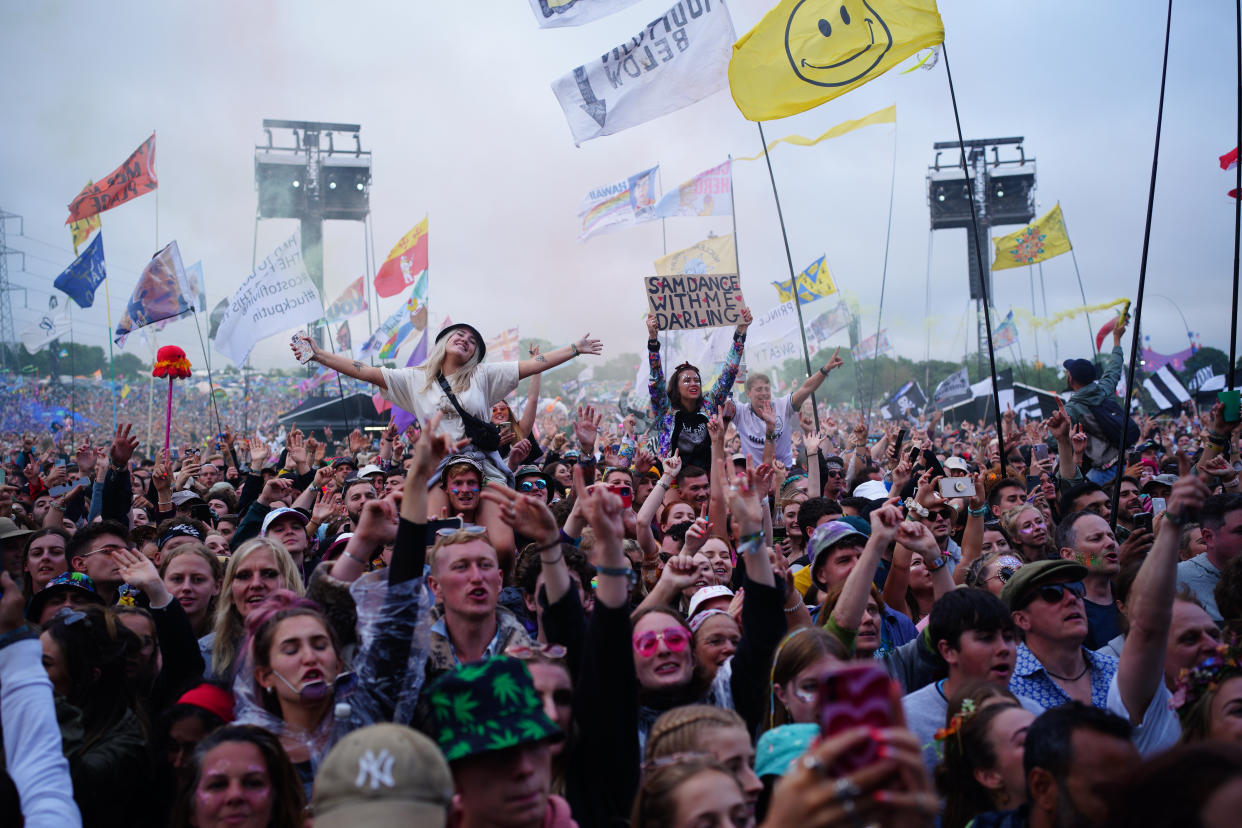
column 1041, row 239
column 813, row 283
column 804, row 53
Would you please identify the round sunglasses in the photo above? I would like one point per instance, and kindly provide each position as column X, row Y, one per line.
column 530, row 485
column 675, row 638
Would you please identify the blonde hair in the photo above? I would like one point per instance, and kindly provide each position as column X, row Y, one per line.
column 460, row 381
column 459, row 537
column 1009, row 524
column 681, row 729
column 230, row 628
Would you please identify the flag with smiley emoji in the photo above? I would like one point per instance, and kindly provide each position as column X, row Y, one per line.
column 805, row 52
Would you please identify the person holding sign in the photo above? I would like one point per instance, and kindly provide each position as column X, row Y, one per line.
column 680, row 409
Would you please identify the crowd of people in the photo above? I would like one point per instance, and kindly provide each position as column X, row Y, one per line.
column 725, row 609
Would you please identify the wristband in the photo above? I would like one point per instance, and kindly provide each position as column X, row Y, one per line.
column 750, row 539
column 913, row 507
column 356, row 559
column 653, row 345
column 936, row 565
column 797, row 606
column 631, row 577
column 980, row 512
column 824, row 371
column 574, row 346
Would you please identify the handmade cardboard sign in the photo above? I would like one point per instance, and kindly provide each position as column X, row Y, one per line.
column 695, row 300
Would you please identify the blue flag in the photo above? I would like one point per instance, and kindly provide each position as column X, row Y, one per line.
column 86, row 273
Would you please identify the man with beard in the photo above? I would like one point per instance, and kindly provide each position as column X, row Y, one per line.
column 355, row 495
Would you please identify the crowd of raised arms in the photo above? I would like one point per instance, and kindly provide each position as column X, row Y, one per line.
column 728, row 608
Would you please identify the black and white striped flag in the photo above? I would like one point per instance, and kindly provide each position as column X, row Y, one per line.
column 1201, row 376
column 1165, row 389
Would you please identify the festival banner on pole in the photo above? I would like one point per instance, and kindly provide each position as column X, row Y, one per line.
column 194, row 276
column 713, row 255
column 800, row 55
column 51, row 325
column 416, row 321
column 707, row 194
column 888, row 115
column 679, row 58
column 277, row 296
column 405, row 262
column 1006, row 332
column 623, row 203
column 85, row 275
column 813, row 283
column 163, row 292
column 1038, row 241
column 351, row 302
column 872, row 346
column 135, row 177
column 504, row 346
column 828, row 323
column 555, row 13
column 953, row 389
column 81, row 230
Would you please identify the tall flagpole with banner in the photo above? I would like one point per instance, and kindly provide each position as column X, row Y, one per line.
column 793, row 277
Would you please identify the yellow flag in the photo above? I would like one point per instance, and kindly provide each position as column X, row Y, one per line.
column 887, row 115
column 1042, row 239
column 125, row 391
column 805, row 52
column 813, row 283
column 714, row 255
column 82, row 228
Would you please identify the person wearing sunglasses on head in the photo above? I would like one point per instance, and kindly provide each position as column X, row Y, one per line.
column 1053, row 666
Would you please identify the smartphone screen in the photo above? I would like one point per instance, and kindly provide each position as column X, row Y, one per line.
column 853, row 696
column 434, row 526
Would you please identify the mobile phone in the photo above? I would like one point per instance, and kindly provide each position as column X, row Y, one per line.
column 778, row 534
column 901, row 438
column 57, row 491
column 302, row 348
column 1158, row 505
column 914, row 454
column 624, row 492
column 1033, row 483
column 933, row 463
column 956, row 487
column 1039, row 451
column 434, row 526
column 1232, row 401
column 852, row 696
column 1142, row 521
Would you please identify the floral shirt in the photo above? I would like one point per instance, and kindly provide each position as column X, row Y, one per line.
column 1031, row 681
column 663, row 411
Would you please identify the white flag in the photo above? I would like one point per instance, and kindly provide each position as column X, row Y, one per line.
column 52, row 325
column 618, row 204
column 551, row 13
column 279, row 295
column 676, row 60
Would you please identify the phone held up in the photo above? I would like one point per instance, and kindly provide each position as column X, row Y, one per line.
column 856, row 695
column 956, row 487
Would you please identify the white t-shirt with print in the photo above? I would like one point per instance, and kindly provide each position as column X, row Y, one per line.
column 491, row 382
column 752, row 429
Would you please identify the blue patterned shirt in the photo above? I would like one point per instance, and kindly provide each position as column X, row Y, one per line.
column 1031, row 681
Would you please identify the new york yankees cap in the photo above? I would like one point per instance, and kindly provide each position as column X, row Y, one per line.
column 383, row 775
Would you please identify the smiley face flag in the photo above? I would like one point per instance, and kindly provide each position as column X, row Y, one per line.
column 805, row 52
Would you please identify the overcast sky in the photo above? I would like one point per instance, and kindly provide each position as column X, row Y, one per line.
column 454, row 102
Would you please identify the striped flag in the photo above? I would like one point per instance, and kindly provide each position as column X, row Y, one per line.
column 1200, row 378
column 1165, row 389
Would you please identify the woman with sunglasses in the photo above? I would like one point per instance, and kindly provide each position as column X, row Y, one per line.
column 680, row 407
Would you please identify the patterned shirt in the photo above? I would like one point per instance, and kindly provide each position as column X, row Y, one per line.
column 664, row 414
column 1030, row 679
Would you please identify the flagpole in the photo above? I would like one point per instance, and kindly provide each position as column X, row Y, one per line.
column 211, row 383
column 73, row 382
column 1081, row 292
column 111, row 363
column 1237, row 219
column 1030, row 272
column 1043, row 292
column 888, row 235
column 151, row 397
column 1142, row 283
column 983, row 270
column 664, row 221
column 793, row 278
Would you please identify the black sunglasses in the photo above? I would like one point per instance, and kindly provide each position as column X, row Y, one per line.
column 1054, row 593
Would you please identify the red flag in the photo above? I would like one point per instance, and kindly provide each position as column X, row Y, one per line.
column 133, row 178
column 1229, row 160
column 406, row 260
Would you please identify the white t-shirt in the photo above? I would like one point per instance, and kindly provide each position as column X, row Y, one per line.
column 752, row 429
column 491, row 382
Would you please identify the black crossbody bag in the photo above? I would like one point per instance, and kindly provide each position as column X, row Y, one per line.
column 483, row 435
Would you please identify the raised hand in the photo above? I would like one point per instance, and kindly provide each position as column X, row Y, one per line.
column 747, row 318
column 652, row 326
column 519, row 452
column 586, row 345
column 834, row 361
column 377, row 524
column 278, row 488
column 744, row 503
column 586, row 427
column 357, row 442
column 885, row 520
column 672, row 463
column 259, row 453
column 139, row 571
column 323, row 509
column 527, row 514
column 123, row 445
column 696, row 536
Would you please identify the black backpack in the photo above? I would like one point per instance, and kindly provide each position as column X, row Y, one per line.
column 1110, row 420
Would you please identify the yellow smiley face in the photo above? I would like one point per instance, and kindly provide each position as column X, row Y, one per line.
column 835, row 43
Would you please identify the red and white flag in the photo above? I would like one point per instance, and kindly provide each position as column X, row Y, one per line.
column 1229, row 160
